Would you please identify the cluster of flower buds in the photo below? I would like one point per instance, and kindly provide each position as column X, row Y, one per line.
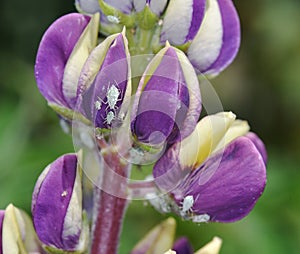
column 207, row 31
column 215, row 157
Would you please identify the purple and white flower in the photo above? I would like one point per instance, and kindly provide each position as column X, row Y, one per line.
column 217, row 173
column 57, row 206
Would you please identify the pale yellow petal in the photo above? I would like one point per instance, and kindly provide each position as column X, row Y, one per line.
column 18, row 235
column 86, row 43
column 205, row 138
column 213, row 247
column 159, row 239
column 237, row 129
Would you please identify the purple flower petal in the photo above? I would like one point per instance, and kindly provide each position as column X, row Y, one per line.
column 156, row 6
column 53, row 53
column 259, row 145
column 227, row 186
column 159, row 99
column 167, row 170
column 103, row 98
column 182, row 20
column 1, row 224
column 218, row 40
column 183, row 246
column 53, row 196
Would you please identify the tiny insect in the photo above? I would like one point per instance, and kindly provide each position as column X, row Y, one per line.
column 64, row 194
column 187, row 204
column 201, row 218
column 98, row 103
column 113, row 94
column 109, row 117
column 113, row 19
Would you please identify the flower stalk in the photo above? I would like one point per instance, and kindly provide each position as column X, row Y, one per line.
column 110, row 209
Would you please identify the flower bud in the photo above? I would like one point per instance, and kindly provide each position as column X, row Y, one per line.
column 16, row 232
column 57, row 207
column 62, row 52
column 104, row 83
column 213, row 247
column 218, row 39
column 167, row 102
column 158, row 240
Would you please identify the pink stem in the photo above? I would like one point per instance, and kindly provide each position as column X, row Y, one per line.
column 111, row 204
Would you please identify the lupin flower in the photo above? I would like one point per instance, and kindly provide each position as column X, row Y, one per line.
column 62, row 53
column 57, row 207
column 167, row 102
column 16, row 232
column 216, row 174
column 160, row 239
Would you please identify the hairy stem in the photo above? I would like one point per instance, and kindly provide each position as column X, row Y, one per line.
column 110, row 204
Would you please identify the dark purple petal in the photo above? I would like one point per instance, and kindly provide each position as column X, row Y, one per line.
column 227, row 186
column 183, row 246
column 259, row 145
column 162, row 101
column 51, row 200
column 102, row 100
column 53, row 53
column 182, row 21
column 218, row 40
column 1, row 223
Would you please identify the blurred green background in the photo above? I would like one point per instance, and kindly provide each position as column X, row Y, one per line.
column 262, row 86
